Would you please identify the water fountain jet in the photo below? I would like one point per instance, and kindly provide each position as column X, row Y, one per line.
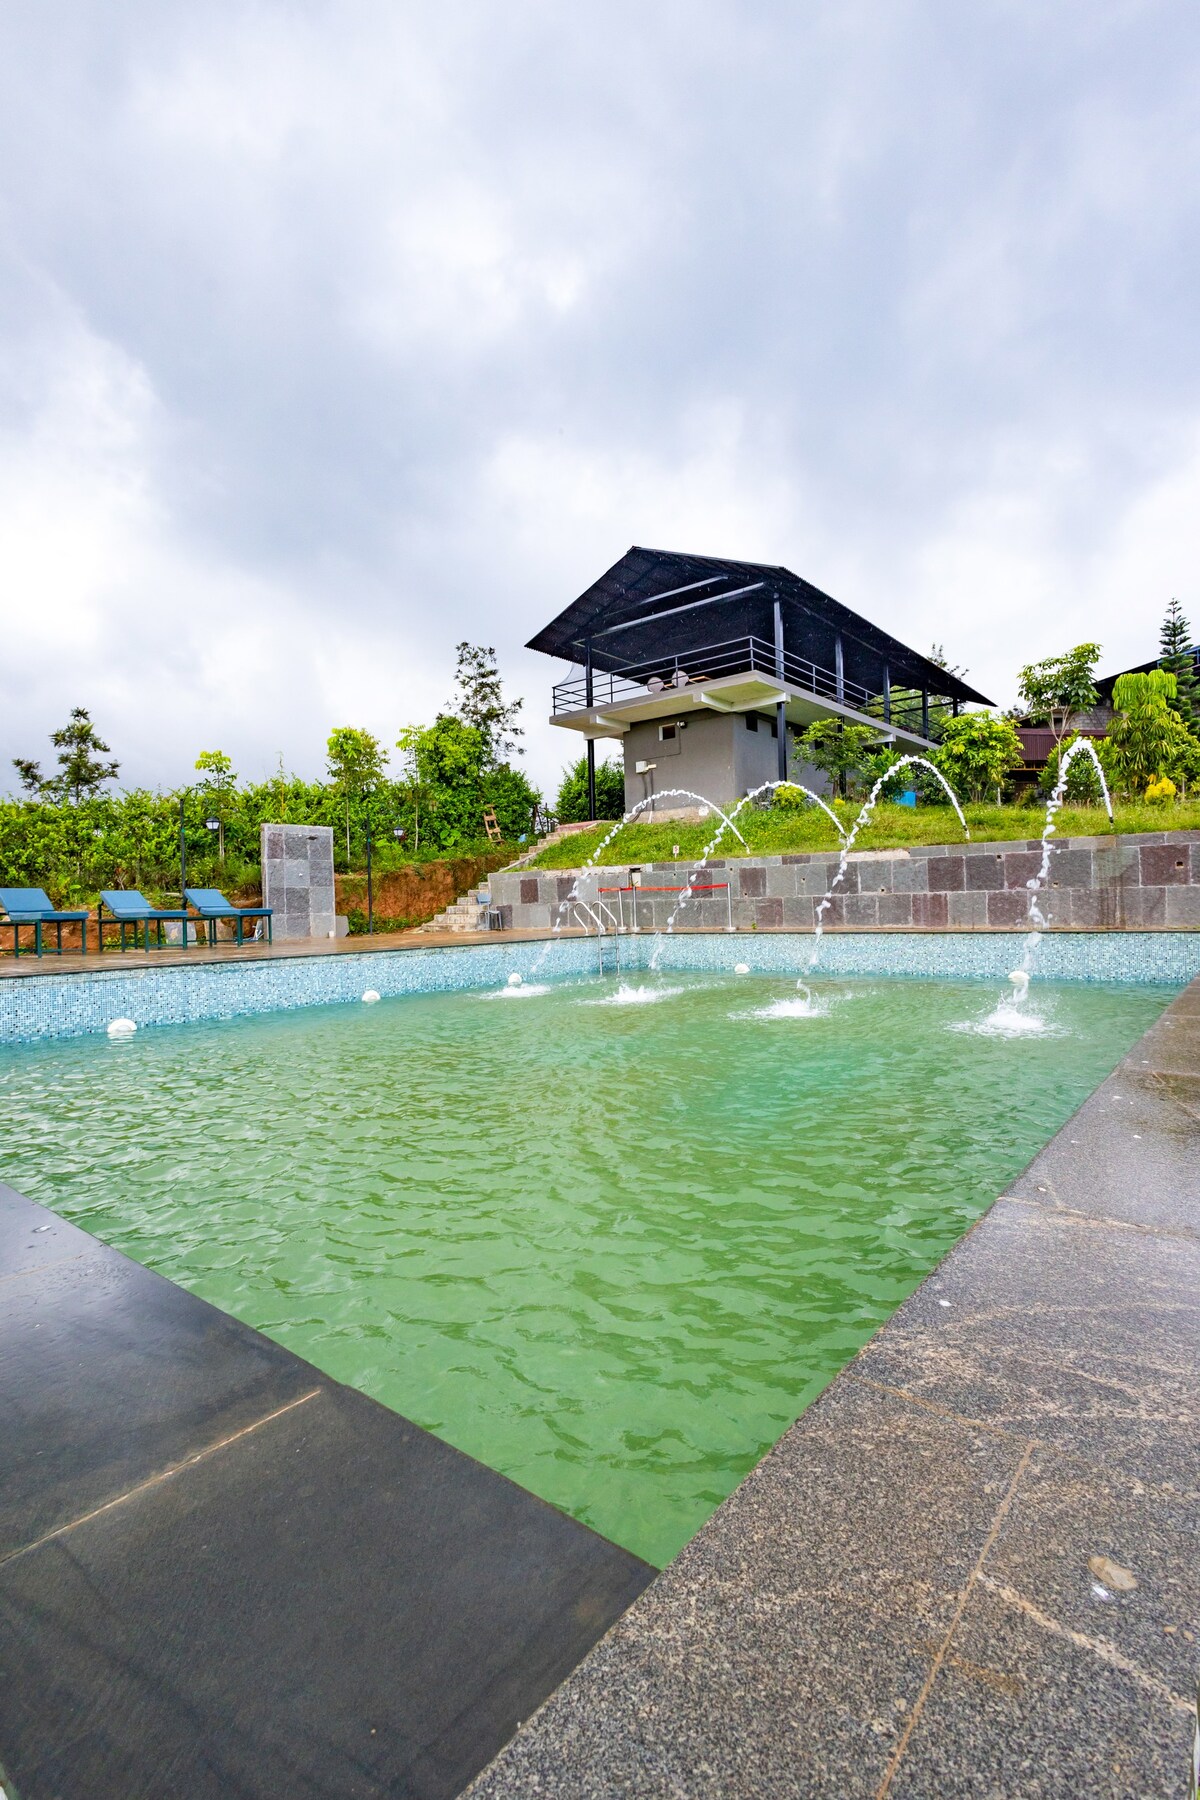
column 597, row 853
column 869, row 806
column 689, row 887
column 1022, row 974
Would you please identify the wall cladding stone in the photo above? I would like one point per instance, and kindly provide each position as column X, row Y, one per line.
column 1147, row 882
column 297, row 872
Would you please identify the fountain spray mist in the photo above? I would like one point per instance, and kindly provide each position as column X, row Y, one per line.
column 1021, row 975
column 598, row 852
column 689, row 889
column 872, row 801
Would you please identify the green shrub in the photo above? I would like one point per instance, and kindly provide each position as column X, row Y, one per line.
column 571, row 806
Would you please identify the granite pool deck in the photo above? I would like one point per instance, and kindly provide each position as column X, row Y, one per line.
column 973, row 1567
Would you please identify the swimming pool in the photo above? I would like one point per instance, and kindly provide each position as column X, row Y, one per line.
column 610, row 1249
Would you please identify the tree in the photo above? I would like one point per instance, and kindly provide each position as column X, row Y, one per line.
column 1175, row 644
column 480, row 703
column 450, row 767
column 977, row 753
column 218, row 784
column 1083, row 784
column 838, row 750
column 1149, row 739
column 1056, row 691
column 937, row 656
column 355, row 761
column 81, row 773
column 572, row 804
column 30, row 773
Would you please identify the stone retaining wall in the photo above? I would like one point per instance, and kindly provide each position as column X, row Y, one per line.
column 1145, row 882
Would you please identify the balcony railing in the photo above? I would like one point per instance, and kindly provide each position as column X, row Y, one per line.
column 734, row 656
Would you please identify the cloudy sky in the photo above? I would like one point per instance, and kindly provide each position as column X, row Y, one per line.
column 333, row 333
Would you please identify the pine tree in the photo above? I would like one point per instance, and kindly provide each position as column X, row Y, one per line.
column 1175, row 644
column 81, row 773
column 480, row 701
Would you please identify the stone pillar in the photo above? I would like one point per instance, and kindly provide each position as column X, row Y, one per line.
column 297, row 880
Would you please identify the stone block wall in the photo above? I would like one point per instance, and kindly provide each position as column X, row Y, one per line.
column 1145, row 882
column 297, row 880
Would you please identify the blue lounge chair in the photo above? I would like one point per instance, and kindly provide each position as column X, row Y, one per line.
column 212, row 905
column 31, row 906
column 128, row 907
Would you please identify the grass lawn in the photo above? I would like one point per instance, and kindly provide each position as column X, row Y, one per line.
column 782, row 829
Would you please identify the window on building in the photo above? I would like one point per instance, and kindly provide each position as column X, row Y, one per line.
column 751, row 721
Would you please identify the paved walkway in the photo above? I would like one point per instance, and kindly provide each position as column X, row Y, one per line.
column 78, row 964
column 971, row 1568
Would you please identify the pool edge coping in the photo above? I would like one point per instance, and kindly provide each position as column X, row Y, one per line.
column 682, row 1639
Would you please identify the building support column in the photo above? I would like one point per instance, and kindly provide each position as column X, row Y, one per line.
column 887, row 695
column 781, row 756
column 924, row 712
column 591, row 743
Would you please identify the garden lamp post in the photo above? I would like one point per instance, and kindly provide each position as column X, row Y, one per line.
column 370, row 891
column 367, row 791
column 399, row 834
column 210, row 931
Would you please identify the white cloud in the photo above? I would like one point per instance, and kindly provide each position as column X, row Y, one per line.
column 336, row 333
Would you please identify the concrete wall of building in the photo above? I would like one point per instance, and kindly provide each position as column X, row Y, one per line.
column 1145, row 882
column 719, row 755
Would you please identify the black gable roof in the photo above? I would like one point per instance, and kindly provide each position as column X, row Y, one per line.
column 658, row 602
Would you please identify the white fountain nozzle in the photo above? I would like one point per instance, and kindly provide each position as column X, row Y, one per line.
column 515, row 980
column 741, row 968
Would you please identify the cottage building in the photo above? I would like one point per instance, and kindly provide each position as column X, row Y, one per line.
column 707, row 669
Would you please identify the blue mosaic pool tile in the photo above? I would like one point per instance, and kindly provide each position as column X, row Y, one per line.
column 1142, row 956
column 72, row 1005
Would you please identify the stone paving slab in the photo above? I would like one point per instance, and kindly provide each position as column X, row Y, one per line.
column 729, row 1677
column 109, row 1373
column 1085, row 1168
column 1019, row 1710
column 223, row 1574
column 1064, row 1330
column 894, row 1608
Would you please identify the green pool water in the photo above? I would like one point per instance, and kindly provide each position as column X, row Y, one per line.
column 611, row 1250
